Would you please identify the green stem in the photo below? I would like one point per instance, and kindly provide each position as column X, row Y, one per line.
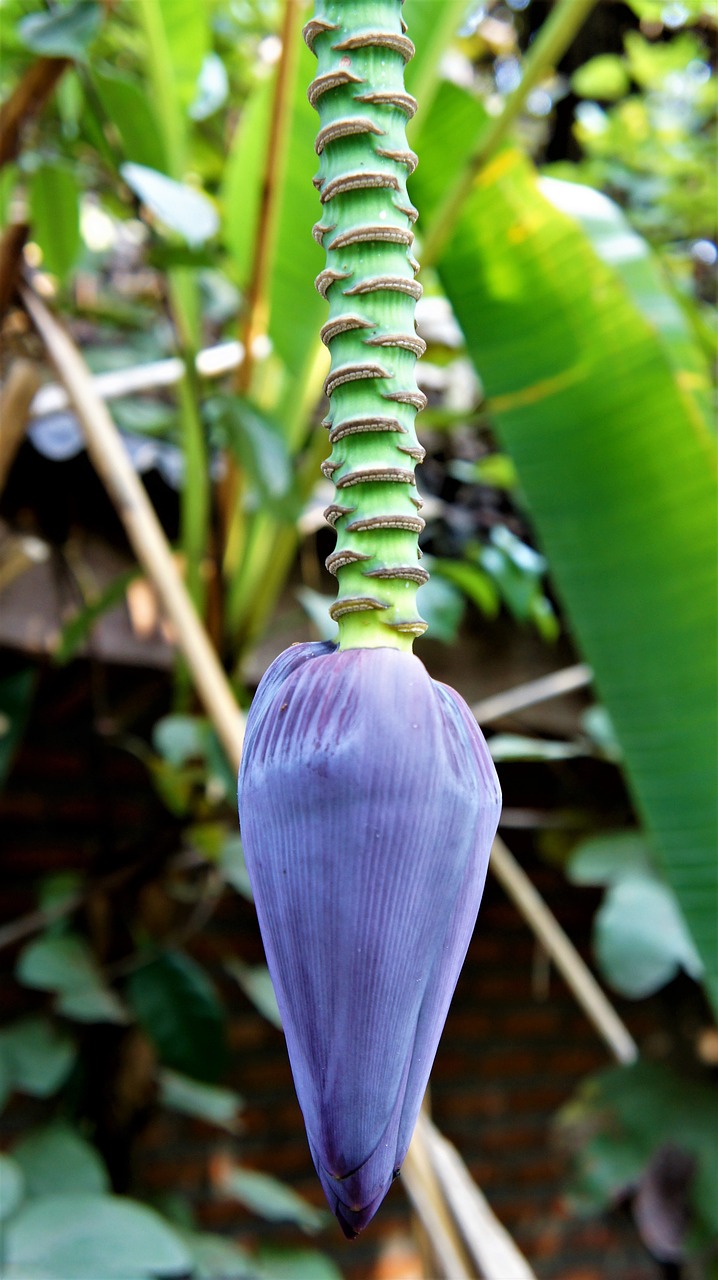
column 369, row 280
column 554, row 38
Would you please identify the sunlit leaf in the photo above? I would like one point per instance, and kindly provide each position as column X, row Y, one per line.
column 212, row 88
column 241, row 186
column 65, row 32
column 55, row 216
column 657, row 10
column 604, row 77
column 431, row 26
column 618, row 469
column 652, row 61
column 186, row 30
column 619, row 246
column 130, row 109
column 496, row 469
column 296, row 310
column 177, row 206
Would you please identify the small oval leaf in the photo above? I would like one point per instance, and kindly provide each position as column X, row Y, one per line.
column 177, row 206
column 87, row 1236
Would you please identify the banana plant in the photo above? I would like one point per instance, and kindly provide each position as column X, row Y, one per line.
column 368, row 799
column 597, row 388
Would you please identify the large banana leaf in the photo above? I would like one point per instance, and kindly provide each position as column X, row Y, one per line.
column 617, row 464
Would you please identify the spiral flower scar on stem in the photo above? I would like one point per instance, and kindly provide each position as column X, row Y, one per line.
column 366, row 227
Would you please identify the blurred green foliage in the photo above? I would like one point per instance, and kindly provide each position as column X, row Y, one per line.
column 590, row 326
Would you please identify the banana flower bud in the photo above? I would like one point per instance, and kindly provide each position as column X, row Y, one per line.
column 368, row 803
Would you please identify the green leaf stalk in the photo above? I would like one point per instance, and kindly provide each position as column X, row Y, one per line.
column 369, row 280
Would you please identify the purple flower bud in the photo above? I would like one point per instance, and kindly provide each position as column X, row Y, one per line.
column 368, row 802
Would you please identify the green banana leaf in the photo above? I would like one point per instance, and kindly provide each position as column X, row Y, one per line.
column 617, row 465
column 296, row 311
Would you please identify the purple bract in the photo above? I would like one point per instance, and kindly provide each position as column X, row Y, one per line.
column 368, row 802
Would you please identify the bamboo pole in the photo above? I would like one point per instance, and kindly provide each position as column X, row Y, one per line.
column 570, row 964
column 111, row 461
column 492, row 1249
column 16, row 397
column 526, row 695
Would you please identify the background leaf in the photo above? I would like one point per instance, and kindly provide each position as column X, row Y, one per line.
column 640, row 270
column 176, row 1004
column 216, row 1258
column 296, row 1264
column 640, row 938
column 16, row 694
column 36, row 1055
column 629, row 1112
column 12, row 1186
column 176, row 205
column 130, row 110
column 56, row 1159
column 65, row 964
column 63, row 33
column 512, row 746
column 259, row 445
column 234, row 867
column 585, row 398
column 55, row 216
column 202, row 1101
column 186, row 30
column 271, row 1199
column 606, row 859
column 257, row 986
column 87, row 1236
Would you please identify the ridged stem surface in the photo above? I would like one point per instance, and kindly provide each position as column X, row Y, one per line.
column 366, row 227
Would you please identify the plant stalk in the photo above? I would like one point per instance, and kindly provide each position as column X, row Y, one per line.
column 369, row 281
